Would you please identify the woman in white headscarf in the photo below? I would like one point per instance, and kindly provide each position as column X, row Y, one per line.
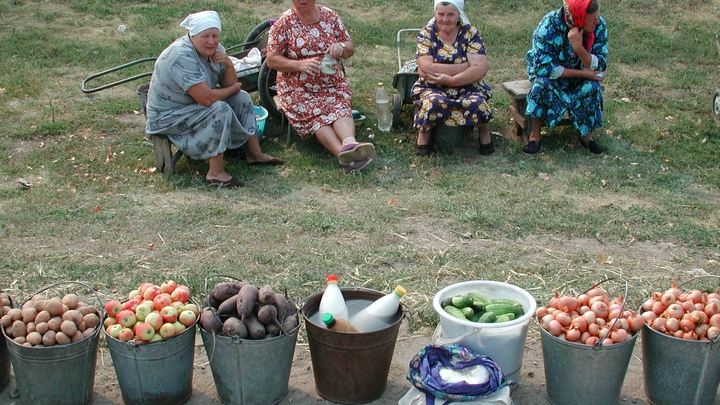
column 195, row 99
column 451, row 64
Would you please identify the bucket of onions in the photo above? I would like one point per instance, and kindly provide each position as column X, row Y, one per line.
column 589, row 329
column 680, row 344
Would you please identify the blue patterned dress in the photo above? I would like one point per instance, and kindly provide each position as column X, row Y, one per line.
column 551, row 97
column 450, row 106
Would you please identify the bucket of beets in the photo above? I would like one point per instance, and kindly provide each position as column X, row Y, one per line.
column 54, row 335
column 680, row 348
column 151, row 339
column 249, row 334
column 587, row 329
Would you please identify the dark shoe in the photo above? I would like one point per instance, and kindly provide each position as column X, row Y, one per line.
column 593, row 147
column 532, row 148
column 487, row 149
column 232, row 183
column 423, row 150
column 272, row 162
column 356, row 151
column 356, row 165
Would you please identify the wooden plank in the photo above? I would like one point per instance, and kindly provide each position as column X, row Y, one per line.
column 518, row 89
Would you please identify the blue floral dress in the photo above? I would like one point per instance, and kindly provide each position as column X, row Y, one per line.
column 550, row 97
column 200, row 132
column 450, row 106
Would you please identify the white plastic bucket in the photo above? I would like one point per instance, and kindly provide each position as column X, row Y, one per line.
column 503, row 342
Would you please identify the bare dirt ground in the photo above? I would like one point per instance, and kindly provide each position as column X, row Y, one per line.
column 530, row 389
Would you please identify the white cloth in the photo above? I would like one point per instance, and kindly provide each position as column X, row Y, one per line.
column 201, row 21
column 249, row 64
column 459, row 5
column 416, row 397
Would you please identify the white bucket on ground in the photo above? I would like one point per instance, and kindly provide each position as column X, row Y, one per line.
column 503, row 342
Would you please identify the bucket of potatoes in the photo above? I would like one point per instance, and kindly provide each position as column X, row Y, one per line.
column 54, row 334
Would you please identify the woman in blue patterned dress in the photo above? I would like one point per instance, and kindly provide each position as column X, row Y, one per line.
column 451, row 64
column 195, row 99
column 566, row 64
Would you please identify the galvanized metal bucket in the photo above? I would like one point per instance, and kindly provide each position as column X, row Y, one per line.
column 158, row 373
column 5, row 360
column 350, row 368
column 250, row 372
column 4, row 365
column 581, row 374
column 678, row 371
column 42, row 372
column 53, row 364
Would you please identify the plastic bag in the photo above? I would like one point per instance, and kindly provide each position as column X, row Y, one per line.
column 455, row 373
column 416, row 397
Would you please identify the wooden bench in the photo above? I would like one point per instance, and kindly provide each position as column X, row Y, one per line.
column 522, row 124
column 283, row 119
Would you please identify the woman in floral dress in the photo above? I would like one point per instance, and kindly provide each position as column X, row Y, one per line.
column 451, row 64
column 315, row 102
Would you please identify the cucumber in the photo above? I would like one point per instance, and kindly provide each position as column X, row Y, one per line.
column 477, row 297
column 467, row 311
column 478, row 307
column 505, row 301
column 447, row 301
column 504, row 318
column 461, row 301
column 454, row 312
column 475, row 316
column 487, row 317
column 501, row 309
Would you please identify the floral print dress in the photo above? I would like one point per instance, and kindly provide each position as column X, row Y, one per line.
column 550, row 97
column 450, row 106
column 310, row 101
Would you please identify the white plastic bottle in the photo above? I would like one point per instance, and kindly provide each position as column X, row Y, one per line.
column 332, row 300
column 382, row 107
column 380, row 313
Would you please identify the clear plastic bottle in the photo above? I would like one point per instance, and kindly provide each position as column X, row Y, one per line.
column 382, row 107
column 380, row 313
column 339, row 325
column 332, row 300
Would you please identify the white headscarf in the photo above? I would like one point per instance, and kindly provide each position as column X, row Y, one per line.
column 199, row 22
column 459, row 5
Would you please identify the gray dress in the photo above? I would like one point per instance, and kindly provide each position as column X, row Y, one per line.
column 199, row 132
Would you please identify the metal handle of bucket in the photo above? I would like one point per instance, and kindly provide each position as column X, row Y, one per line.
column 715, row 339
column 437, row 335
column 622, row 308
column 115, row 69
column 101, row 308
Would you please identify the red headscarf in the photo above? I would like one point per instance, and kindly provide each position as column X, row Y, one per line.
column 575, row 13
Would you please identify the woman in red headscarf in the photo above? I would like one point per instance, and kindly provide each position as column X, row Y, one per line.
column 566, row 64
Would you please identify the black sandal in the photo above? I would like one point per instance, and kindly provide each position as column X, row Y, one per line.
column 487, row 148
column 423, row 150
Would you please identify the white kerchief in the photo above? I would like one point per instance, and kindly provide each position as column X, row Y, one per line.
column 459, row 5
column 200, row 21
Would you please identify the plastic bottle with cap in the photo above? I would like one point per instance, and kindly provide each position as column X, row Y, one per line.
column 337, row 324
column 380, row 313
column 328, row 65
column 332, row 300
column 382, row 106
